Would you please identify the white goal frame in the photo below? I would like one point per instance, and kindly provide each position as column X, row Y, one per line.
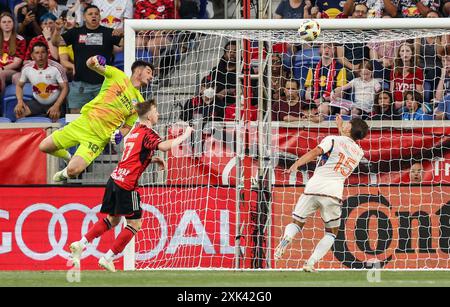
column 132, row 26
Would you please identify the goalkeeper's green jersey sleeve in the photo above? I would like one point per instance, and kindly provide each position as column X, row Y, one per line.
column 114, row 104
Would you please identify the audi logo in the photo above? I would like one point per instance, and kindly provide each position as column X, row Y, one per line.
column 58, row 218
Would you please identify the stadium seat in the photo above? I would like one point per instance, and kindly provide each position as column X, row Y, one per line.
column 34, row 119
column 4, row 120
column 10, row 99
column 62, row 121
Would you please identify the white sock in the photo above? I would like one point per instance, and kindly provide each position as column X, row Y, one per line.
column 322, row 248
column 67, row 157
column 83, row 241
column 64, row 173
column 109, row 255
column 291, row 230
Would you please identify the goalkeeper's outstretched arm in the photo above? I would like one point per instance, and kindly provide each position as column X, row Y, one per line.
column 97, row 63
column 169, row 144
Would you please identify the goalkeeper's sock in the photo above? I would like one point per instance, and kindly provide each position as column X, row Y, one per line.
column 322, row 248
column 291, row 230
column 122, row 240
column 63, row 154
column 98, row 229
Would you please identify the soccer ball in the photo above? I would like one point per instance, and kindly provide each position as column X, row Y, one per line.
column 309, row 30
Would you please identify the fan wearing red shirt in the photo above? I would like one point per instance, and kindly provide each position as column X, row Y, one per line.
column 405, row 76
column 12, row 49
column 121, row 197
column 154, row 9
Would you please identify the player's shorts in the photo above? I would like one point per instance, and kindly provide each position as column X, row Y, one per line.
column 120, row 202
column 81, row 93
column 330, row 209
column 80, row 132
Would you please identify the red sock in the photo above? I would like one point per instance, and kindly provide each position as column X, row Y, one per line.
column 98, row 229
column 122, row 240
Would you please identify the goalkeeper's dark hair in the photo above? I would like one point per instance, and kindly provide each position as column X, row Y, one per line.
column 140, row 63
column 359, row 129
column 142, row 108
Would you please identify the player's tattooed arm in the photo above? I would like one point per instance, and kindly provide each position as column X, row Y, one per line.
column 305, row 159
column 169, row 144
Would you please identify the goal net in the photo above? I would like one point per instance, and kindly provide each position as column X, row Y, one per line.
column 259, row 97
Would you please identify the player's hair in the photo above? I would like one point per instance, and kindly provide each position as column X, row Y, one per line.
column 359, row 129
column 39, row 44
column 143, row 107
column 140, row 63
column 90, row 6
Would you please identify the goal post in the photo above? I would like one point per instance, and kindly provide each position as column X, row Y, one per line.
column 224, row 199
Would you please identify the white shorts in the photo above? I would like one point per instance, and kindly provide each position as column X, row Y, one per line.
column 330, row 209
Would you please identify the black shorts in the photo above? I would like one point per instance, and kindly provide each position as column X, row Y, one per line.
column 120, row 202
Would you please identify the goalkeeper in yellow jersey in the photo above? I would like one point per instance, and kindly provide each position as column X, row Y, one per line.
column 108, row 117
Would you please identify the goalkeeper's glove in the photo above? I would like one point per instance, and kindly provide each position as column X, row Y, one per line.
column 101, row 60
column 116, row 137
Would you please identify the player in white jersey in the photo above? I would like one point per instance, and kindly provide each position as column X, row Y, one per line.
column 339, row 156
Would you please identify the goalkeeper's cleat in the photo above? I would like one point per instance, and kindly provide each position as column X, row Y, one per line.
column 59, row 177
column 76, row 248
column 281, row 248
column 107, row 265
column 309, row 268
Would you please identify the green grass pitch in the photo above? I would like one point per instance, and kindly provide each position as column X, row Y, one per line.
column 159, row 278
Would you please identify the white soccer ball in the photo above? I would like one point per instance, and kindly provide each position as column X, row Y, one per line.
column 309, row 30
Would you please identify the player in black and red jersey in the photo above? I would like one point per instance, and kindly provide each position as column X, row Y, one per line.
column 121, row 197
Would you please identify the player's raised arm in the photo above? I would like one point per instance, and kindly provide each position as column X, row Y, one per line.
column 306, row 158
column 97, row 63
column 168, row 144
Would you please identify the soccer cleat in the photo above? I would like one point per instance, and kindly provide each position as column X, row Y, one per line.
column 107, row 265
column 58, row 177
column 76, row 249
column 281, row 248
column 309, row 268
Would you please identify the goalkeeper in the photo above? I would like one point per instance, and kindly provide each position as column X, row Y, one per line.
column 108, row 117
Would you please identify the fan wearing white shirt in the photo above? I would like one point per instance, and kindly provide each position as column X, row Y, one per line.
column 338, row 158
column 365, row 87
column 114, row 12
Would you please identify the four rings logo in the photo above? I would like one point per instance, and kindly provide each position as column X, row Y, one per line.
column 160, row 241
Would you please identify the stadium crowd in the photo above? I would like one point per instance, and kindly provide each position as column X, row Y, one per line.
column 404, row 80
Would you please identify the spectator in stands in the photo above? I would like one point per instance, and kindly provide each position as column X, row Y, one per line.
column 416, row 173
column 293, row 9
column 90, row 40
column 382, row 55
column 376, row 8
column 364, row 89
column 47, row 23
column 12, row 50
column 66, row 56
column 417, row 8
column 351, row 55
column 55, row 8
column 329, row 8
column 289, row 107
column 414, row 108
column 28, row 18
column 443, row 87
column 114, row 12
column 49, row 83
column 442, row 110
column 205, row 105
column 154, row 9
column 224, row 76
column 324, row 78
column 383, row 108
column 406, row 75
column 279, row 76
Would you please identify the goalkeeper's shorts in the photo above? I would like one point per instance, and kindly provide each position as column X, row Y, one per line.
column 121, row 202
column 80, row 133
